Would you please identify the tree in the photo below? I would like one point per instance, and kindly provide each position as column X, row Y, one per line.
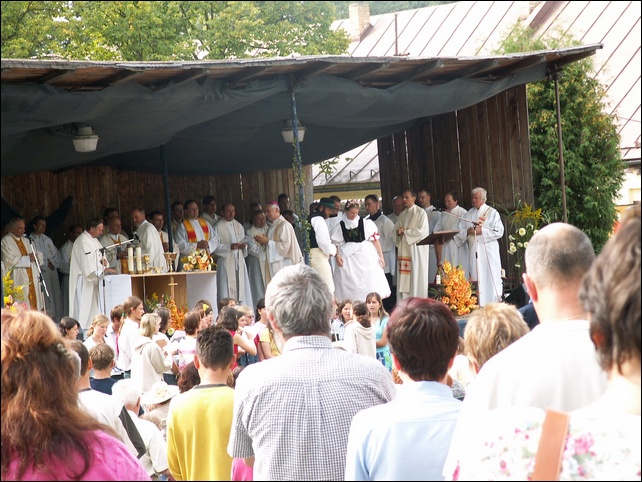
column 29, row 28
column 168, row 30
column 593, row 167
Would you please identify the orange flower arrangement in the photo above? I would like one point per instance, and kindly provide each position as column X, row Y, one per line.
column 177, row 314
column 457, row 292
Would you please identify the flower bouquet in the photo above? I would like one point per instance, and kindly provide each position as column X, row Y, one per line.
column 198, row 260
column 177, row 314
column 13, row 295
column 524, row 223
column 456, row 291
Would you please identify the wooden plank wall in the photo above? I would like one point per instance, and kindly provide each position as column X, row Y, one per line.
column 95, row 188
column 484, row 145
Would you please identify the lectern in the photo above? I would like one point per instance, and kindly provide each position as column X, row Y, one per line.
column 438, row 238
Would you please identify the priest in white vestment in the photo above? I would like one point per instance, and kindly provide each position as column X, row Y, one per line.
column 75, row 230
column 481, row 228
column 149, row 239
column 412, row 259
column 158, row 220
column 19, row 257
column 282, row 247
column 115, row 237
column 86, row 271
column 455, row 250
column 232, row 280
column 49, row 266
column 194, row 232
column 256, row 255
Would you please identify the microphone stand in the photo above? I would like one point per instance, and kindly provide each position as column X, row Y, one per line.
column 41, row 279
column 102, row 252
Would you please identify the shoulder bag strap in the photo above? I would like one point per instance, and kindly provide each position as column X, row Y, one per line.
column 548, row 460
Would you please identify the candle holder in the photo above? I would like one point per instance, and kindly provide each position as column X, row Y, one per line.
column 169, row 258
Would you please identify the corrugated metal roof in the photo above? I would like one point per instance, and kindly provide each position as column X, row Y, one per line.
column 477, row 28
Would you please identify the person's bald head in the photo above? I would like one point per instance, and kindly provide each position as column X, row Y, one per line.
column 558, row 255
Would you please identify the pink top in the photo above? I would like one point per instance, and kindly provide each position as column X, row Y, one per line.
column 111, row 461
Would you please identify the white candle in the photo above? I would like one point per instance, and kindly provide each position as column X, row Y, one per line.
column 139, row 259
column 130, row 259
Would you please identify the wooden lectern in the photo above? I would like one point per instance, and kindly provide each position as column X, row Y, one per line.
column 438, row 238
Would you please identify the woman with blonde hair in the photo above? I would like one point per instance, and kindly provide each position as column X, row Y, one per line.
column 97, row 332
column 148, row 359
column 46, row 435
column 489, row 330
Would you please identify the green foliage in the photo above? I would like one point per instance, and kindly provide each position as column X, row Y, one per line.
column 593, row 168
column 328, row 166
column 29, row 29
column 168, row 30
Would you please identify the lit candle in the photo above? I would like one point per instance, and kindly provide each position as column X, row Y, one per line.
column 139, row 259
column 130, row 259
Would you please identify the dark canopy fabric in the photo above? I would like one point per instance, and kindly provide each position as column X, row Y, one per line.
column 212, row 126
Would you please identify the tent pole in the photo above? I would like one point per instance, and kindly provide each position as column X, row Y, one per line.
column 560, row 146
column 298, row 178
column 168, row 203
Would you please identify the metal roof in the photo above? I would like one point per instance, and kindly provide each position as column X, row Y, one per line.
column 471, row 28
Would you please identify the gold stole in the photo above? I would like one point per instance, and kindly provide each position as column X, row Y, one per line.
column 33, row 303
column 191, row 234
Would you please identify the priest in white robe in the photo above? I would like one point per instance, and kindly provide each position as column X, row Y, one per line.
column 455, row 250
column 232, row 280
column 75, row 230
column 149, row 239
column 412, row 259
column 86, row 271
column 482, row 228
column 194, row 232
column 51, row 260
column 282, row 247
column 256, row 255
column 113, row 237
column 19, row 257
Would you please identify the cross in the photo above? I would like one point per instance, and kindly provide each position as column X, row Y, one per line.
column 171, row 285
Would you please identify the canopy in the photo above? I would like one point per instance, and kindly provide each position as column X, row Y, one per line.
column 225, row 117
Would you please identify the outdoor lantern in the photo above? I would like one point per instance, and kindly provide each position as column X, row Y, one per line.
column 85, row 140
column 288, row 133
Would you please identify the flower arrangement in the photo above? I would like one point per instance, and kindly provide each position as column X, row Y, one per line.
column 456, row 291
column 524, row 223
column 177, row 314
column 198, row 260
column 13, row 295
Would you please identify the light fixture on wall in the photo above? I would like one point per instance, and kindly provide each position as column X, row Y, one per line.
column 288, row 132
column 85, row 140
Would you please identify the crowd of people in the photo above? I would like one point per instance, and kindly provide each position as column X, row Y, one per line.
column 319, row 379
